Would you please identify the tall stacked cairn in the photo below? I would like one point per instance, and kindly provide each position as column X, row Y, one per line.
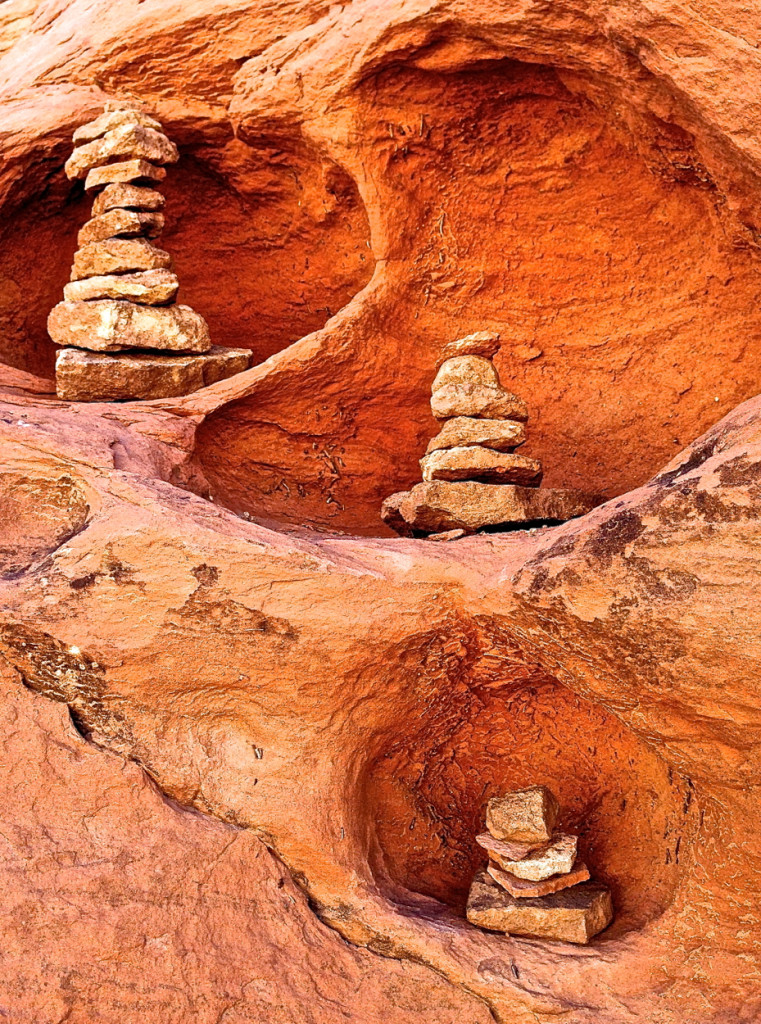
column 535, row 884
column 472, row 477
column 123, row 334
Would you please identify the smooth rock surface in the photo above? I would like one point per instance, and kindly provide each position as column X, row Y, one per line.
column 111, row 120
column 124, row 171
column 129, row 140
column 556, row 858
column 523, row 816
column 148, row 287
column 499, row 435
column 120, row 224
column 574, row 915
column 465, row 369
column 83, row 376
column 112, row 325
column 118, row 256
column 471, row 462
column 523, row 887
column 499, row 849
column 121, row 195
column 480, row 400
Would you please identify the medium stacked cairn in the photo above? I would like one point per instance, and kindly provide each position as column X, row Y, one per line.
column 535, row 884
column 123, row 334
column 472, row 477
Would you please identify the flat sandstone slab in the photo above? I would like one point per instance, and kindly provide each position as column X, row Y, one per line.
column 573, row 915
column 124, row 170
column 501, row 848
column 122, row 196
column 148, row 287
column 522, row 888
column 121, row 224
column 484, row 401
column 133, row 141
column 113, row 119
column 523, row 816
column 438, row 506
column 533, row 863
column 499, row 435
column 471, row 462
column 83, row 376
column 118, row 256
column 113, row 325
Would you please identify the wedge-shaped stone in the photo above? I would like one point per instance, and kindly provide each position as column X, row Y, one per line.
column 475, row 463
column 500, row 849
column 465, row 370
column 523, row 816
column 93, row 377
column 556, row 858
column 112, row 325
column 482, row 343
column 125, row 170
column 522, row 888
column 572, row 915
column 113, row 119
column 480, row 400
column 118, row 256
column 121, row 224
column 149, row 287
column 499, row 435
column 121, row 195
column 131, row 141
column 438, row 506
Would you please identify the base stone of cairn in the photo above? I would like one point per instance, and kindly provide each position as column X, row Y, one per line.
column 123, row 335
column 534, row 884
column 472, row 478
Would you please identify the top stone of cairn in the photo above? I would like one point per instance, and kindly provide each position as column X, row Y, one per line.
column 525, row 816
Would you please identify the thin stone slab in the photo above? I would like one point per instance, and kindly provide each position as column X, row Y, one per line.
column 574, row 915
column 523, row 816
column 556, row 858
column 438, row 506
column 482, row 343
column 83, row 376
column 522, row 888
column 121, row 224
column 131, row 141
column 499, row 849
column 499, row 435
column 112, row 325
column 123, row 196
column 148, row 287
column 118, row 256
column 480, row 400
column 113, row 119
column 467, row 369
column 471, row 462
column 124, row 170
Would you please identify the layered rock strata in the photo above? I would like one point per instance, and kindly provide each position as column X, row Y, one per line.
column 121, row 299
column 535, row 884
column 472, row 477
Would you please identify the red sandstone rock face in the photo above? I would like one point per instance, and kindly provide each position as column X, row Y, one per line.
column 582, row 178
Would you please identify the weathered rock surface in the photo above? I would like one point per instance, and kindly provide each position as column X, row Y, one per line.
column 465, row 370
column 467, row 505
column 121, row 195
column 129, row 140
column 83, row 376
column 499, row 435
column 111, row 325
column 121, row 224
column 480, row 343
column 555, row 858
column 149, row 287
column 572, row 915
column 118, row 256
column 471, row 462
column 500, row 849
column 111, row 120
column 524, row 888
column 472, row 399
column 523, row 816
column 136, row 170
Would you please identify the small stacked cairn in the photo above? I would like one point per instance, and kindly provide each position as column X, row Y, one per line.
column 123, row 334
column 472, row 477
column 535, row 884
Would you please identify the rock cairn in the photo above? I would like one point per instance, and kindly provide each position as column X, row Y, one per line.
column 472, row 477
column 535, row 884
column 123, row 334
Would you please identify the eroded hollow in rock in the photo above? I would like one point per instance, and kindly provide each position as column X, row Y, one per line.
column 514, row 200
column 634, row 817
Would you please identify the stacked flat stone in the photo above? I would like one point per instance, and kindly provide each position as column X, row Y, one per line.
column 535, row 884
column 123, row 334
column 472, row 476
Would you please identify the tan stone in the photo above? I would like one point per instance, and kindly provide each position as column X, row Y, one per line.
column 499, row 435
column 575, row 914
column 124, row 196
column 467, row 505
column 113, row 119
column 482, row 343
column 523, row 816
column 472, row 462
column 129, row 140
column 83, row 376
column 125, row 170
column 118, row 256
column 467, row 369
column 448, row 535
column 556, row 858
column 479, row 400
column 501, row 848
column 149, row 287
column 121, row 224
column 522, row 888
column 112, row 325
